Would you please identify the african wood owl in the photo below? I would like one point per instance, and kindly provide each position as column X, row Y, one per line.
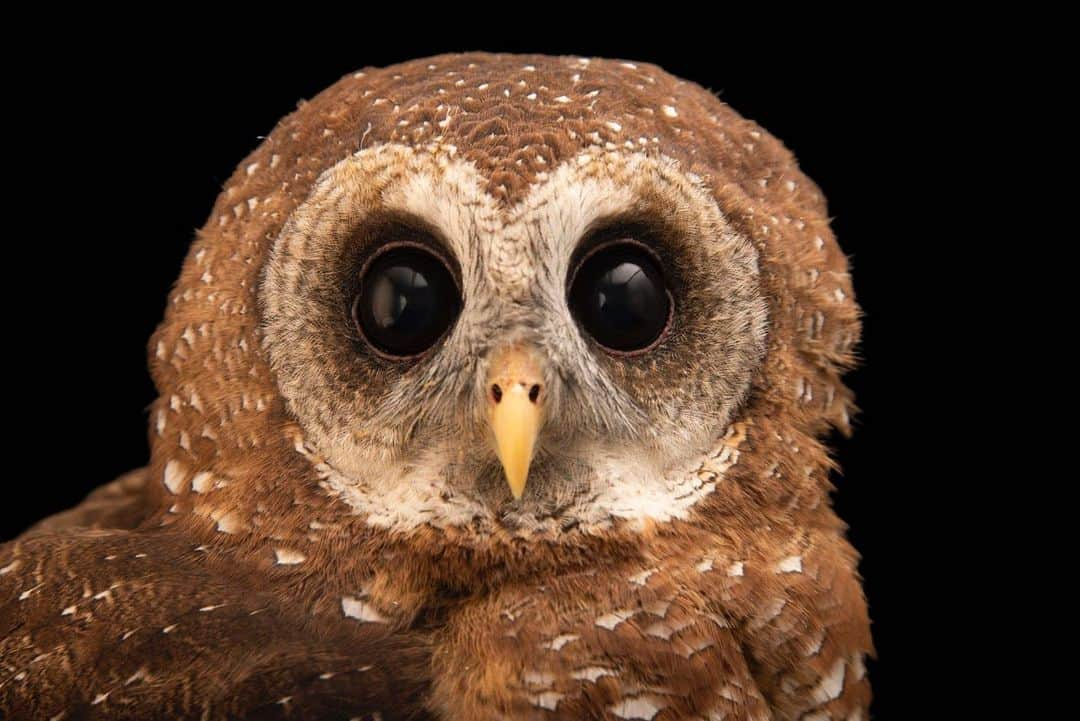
column 494, row 387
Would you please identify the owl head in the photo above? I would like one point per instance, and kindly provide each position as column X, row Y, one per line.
column 497, row 296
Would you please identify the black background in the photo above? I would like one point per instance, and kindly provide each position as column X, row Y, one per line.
column 124, row 140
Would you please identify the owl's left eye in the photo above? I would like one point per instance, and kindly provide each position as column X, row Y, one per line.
column 619, row 297
column 407, row 301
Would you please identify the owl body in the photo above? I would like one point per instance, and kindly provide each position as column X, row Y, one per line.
column 325, row 529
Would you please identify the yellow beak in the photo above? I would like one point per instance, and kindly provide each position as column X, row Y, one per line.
column 515, row 410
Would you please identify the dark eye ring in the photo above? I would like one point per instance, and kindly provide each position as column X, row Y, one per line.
column 407, row 300
column 619, row 296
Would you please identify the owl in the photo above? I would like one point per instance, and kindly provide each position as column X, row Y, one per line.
column 494, row 387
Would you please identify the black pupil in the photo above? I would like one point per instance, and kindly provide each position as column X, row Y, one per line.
column 619, row 297
column 407, row 301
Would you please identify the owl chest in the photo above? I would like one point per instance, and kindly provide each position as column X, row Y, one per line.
column 589, row 649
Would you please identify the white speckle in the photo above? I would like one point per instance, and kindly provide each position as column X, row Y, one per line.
column 29, row 592
column 10, row 567
column 858, row 665
column 641, row 578
column 128, row 634
column 591, row 673
column 813, row 645
column 288, row 557
column 20, row 676
column 58, row 716
column 660, row 630
column 839, row 295
column 99, row 698
column 639, row 707
column 139, row 675
column 361, row 611
column 531, row 96
column 482, row 86
column 816, row 716
column 562, row 99
column 629, row 65
column 559, row 641
column 791, row 564
column 169, row 629
column 670, row 111
column 175, row 476
column 529, row 69
column 537, row 678
column 202, row 482
column 205, row 609
column 611, row 620
column 274, row 160
column 769, row 612
column 284, row 700
column 614, row 126
column 229, row 523
column 735, row 569
column 328, row 675
column 252, row 168
column 657, row 608
column 548, row 700
column 819, row 242
column 692, row 647
column 790, row 185
column 704, row 566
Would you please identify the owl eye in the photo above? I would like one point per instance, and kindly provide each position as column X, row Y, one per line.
column 407, row 301
column 619, row 297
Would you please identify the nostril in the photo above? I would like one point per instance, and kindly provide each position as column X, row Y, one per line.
column 496, row 392
column 534, row 393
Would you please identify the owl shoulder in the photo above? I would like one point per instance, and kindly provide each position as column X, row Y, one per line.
column 143, row 624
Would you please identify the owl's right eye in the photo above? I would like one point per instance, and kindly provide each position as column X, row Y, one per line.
column 407, row 300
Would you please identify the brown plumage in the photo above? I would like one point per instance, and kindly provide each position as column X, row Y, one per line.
column 322, row 532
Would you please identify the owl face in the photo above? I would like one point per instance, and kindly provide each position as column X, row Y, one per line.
column 565, row 359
